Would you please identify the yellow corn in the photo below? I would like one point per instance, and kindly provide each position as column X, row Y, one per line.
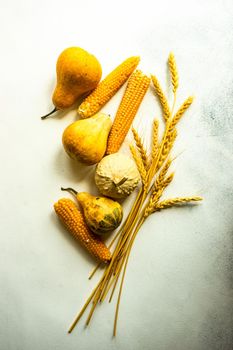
column 137, row 86
column 73, row 219
column 107, row 87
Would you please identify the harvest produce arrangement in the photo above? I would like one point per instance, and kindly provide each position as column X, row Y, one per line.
column 96, row 140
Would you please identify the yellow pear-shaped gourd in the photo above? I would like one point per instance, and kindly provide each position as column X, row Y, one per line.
column 86, row 139
column 78, row 72
column 101, row 214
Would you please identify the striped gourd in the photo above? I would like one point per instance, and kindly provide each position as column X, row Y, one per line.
column 101, row 214
column 73, row 219
column 136, row 88
column 107, row 87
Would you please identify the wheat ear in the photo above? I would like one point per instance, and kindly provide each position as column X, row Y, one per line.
column 173, row 72
column 141, row 148
column 157, row 193
column 160, row 179
column 139, row 163
column 155, row 139
column 181, row 111
column 162, row 98
column 176, row 201
column 167, row 146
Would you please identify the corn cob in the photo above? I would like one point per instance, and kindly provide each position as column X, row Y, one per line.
column 107, row 87
column 137, row 86
column 73, row 219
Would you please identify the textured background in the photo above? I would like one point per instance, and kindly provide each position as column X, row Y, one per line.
column 178, row 290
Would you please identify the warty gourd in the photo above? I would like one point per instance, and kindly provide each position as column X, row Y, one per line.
column 116, row 175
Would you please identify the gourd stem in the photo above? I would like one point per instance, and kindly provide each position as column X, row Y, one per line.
column 46, row 115
column 121, row 181
column 71, row 190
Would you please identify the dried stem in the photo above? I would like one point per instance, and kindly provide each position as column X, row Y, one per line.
column 50, row 113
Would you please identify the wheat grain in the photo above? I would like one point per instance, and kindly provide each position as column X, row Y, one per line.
column 173, row 72
column 162, row 98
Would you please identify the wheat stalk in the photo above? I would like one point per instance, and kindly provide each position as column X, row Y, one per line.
column 162, row 98
column 173, row 72
column 141, row 149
